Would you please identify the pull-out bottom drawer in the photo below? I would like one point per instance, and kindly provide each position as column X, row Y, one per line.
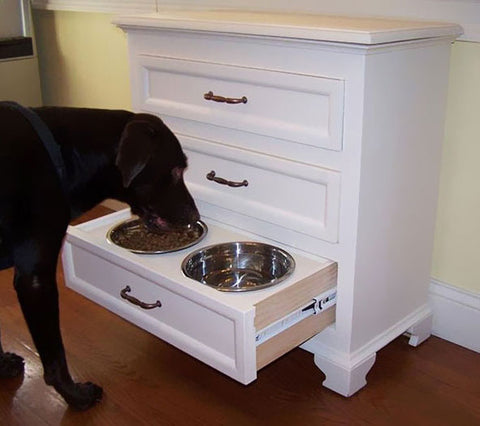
column 236, row 333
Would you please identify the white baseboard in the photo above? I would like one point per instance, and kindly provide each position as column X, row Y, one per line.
column 456, row 314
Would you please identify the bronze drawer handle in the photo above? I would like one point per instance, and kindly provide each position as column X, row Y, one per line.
column 211, row 97
column 221, row 181
column 137, row 302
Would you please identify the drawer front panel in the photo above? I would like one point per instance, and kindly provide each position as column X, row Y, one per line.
column 288, row 194
column 303, row 109
column 200, row 331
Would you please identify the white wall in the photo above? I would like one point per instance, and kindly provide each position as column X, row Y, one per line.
column 11, row 20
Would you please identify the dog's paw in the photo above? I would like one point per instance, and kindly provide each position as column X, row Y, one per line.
column 83, row 395
column 11, row 365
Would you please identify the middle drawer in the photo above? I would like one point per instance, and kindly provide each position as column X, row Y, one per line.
column 270, row 190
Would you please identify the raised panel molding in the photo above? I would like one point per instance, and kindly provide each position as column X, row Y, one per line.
column 463, row 12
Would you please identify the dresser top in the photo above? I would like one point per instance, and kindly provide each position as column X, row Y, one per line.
column 344, row 29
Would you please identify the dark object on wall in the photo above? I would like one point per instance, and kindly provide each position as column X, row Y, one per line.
column 15, row 47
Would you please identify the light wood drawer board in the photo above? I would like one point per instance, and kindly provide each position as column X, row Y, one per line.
column 292, row 337
column 280, row 304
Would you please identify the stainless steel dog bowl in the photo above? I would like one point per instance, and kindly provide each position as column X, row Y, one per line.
column 239, row 266
column 130, row 231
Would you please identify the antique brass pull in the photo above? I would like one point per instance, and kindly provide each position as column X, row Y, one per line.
column 211, row 176
column 211, row 97
column 137, row 302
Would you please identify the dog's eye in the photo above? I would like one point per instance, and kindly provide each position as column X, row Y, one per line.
column 142, row 191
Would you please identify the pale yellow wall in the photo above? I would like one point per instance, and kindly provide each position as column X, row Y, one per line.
column 83, row 60
column 19, row 81
column 84, row 63
column 457, row 242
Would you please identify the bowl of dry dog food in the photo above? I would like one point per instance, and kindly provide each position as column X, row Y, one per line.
column 239, row 266
column 134, row 235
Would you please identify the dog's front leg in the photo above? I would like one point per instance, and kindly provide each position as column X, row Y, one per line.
column 38, row 296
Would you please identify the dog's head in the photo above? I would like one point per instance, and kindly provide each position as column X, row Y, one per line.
column 151, row 164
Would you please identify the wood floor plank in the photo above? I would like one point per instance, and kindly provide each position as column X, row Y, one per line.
column 148, row 382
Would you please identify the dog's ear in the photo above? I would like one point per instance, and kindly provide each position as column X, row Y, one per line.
column 135, row 149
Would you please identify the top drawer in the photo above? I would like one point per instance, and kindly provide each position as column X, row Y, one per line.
column 302, row 109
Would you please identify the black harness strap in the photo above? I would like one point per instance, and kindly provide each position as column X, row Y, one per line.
column 45, row 136
column 54, row 152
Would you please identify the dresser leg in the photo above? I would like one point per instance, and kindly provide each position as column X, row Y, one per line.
column 341, row 379
column 420, row 331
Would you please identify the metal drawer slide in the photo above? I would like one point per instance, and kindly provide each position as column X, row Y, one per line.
column 315, row 306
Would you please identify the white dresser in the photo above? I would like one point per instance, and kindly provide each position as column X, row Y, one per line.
column 328, row 132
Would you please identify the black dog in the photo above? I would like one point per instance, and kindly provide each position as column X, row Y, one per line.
column 134, row 158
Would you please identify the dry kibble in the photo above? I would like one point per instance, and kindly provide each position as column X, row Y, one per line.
column 139, row 238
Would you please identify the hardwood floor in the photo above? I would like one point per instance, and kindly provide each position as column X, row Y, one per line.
column 148, row 382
